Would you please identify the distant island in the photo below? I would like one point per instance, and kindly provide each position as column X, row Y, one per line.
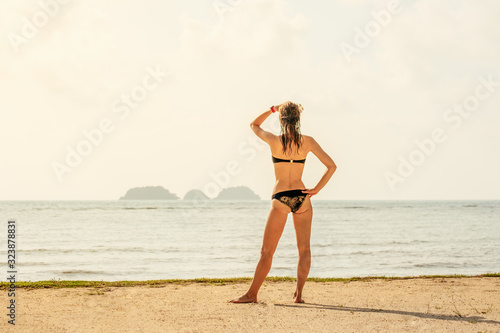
column 237, row 193
column 160, row 193
column 195, row 195
column 149, row 193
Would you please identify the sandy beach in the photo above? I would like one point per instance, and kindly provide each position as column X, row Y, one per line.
column 377, row 305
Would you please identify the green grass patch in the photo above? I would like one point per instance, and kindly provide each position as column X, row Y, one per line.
column 215, row 281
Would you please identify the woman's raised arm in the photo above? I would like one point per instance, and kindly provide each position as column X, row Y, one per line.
column 255, row 125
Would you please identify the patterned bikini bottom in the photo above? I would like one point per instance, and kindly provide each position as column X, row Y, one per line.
column 291, row 198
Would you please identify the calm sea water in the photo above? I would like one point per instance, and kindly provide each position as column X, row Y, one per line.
column 143, row 240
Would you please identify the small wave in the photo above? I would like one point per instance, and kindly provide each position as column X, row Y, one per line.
column 282, row 268
column 82, row 271
column 38, row 250
column 139, row 208
column 28, row 263
column 413, row 241
column 360, row 253
column 354, row 207
column 58, row 250
column 469, row 206
column 74, row 209
column 105, row 250
column 439, row 264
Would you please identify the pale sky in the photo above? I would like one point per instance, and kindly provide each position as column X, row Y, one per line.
column 405, row 97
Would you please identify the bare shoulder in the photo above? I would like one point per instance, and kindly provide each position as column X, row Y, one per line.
column 314, row 147
column 308, row 142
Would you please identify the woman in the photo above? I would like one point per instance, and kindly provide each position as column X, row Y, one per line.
column 289, row 152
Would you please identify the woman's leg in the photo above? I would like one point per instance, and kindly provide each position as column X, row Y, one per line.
column 275, row 224
column 302, row 220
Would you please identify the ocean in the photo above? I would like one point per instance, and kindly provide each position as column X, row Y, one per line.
column 146, row 240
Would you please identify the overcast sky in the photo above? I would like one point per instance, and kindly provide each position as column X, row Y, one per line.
column 101, row 96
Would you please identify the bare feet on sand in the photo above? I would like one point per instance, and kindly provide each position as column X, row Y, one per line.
column 244, row 299
column 247, row 299
column 297, row 298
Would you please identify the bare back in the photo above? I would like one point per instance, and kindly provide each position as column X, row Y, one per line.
column 289, row 175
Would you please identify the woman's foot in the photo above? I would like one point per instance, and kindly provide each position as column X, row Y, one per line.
column 244, row 299
column 297, row 298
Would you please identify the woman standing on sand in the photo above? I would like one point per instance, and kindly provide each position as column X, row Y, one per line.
column 289, row 151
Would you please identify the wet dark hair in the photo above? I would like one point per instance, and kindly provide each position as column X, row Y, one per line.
column 290, row 126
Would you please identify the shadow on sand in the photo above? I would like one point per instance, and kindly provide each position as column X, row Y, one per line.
column 471, row 319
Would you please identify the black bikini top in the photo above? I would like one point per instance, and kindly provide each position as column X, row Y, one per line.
column 277, row 160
